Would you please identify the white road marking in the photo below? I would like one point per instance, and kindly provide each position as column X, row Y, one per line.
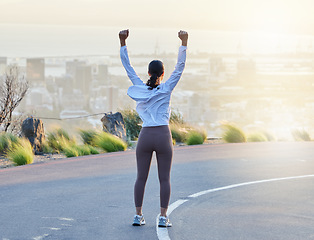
column 40, row 237
column 59, row 218
column 66, row 225
column 174, row 205
column 162, row 233
column 66, row 219
column 52, row 228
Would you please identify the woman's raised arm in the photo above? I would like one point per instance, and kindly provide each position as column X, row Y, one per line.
column 123, row 35
column 176, row 74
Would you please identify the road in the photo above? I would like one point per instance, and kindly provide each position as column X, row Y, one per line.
column 221, row 191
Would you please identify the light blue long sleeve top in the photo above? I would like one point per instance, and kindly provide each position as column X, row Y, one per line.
column 153, row 106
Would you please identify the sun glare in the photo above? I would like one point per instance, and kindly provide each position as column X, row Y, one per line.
column 274, row 16
column 271, row 22
column 264, row 42
column 269, row 25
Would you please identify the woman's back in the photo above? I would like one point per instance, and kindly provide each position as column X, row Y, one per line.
column 153, row 104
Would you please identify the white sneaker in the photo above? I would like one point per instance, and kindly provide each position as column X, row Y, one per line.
column 164, row 222
column 139, row 220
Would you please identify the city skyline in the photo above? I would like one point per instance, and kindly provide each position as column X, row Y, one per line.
column 271, row 92
column 248, row 61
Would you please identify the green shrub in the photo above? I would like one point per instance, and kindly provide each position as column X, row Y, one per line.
column 82, row 150
column 178, row 132
column 70, row 151
column 59, row 139
column 4, row 143
column 301, row 135
column 7, row 140
column 62, row 133
column 109, row 142
column 21, row 153
column 45, row 148
column 79, row 150
column 132, row 123
column 257, row 137
column 203, row 133
column 270, row 137
column 194, row 138
column 233, row 134
column 13, row 139
column 176, row 118
column 92, row 149
column 57, row 143
column 53, row 142
column 88, row 136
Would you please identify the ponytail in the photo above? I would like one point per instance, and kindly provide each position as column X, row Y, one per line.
column 152, row 81
column 156, row 69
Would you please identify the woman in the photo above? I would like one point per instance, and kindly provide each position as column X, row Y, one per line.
column 153, row 107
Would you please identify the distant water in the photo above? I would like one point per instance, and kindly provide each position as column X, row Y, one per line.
column 53, row 40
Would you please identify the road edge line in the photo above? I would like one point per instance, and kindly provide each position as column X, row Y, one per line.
column 162, row 233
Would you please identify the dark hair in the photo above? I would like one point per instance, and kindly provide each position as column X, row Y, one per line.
column 156, row 69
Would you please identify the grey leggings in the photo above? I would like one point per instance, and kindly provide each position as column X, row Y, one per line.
column 152, row 139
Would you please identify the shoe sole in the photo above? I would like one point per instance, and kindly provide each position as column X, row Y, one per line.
column 138, row 224
column 163, row 226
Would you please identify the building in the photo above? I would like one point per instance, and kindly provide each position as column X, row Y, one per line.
column 71, row 67
column 35, row 70
column 102, row 74
column 83, row 79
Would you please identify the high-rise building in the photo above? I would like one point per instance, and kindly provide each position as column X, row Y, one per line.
column 35, row 70
column 83, row 78
column 71, row 67
column 112, row 98
column 102, row 74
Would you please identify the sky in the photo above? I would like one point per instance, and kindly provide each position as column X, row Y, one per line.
column 274, row 16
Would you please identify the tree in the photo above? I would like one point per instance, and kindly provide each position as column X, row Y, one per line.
column 12, row 91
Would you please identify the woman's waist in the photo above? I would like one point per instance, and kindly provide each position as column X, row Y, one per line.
column 157, row 127
column 161, row 129
column 155, row 120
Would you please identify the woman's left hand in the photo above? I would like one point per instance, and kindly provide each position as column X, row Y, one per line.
column 123, row 35
column 183, row 35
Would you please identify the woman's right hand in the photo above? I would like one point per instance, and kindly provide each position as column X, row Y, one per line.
column 123, row 35
column 183, row 35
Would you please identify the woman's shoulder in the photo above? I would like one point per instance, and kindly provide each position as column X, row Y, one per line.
column 138, row 92
column 143, row 93
column 164, row 87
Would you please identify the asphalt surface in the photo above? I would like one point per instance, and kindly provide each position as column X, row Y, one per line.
column 92, row 197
